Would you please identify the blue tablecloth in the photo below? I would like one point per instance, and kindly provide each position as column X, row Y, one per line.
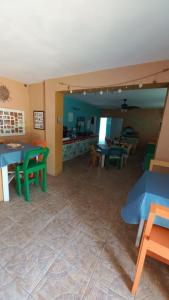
column 152, row 187
column 8, row 156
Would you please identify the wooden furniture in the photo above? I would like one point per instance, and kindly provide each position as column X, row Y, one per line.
column 39, row 143
column 159, row 165
column 95, row 156
column 155, row 242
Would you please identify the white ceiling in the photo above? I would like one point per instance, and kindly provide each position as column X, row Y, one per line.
column 144, row 98
column 41, row 39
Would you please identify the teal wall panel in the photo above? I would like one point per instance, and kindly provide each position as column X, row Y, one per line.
column 79, row 109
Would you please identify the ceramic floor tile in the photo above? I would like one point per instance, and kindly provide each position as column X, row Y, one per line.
column 15, row 236
column 71, row 243
column 31, row 264
column 62, row 280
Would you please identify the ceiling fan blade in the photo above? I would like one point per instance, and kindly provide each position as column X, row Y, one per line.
column 130, row 107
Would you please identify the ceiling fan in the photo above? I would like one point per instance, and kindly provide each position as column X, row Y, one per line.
column 125, row 107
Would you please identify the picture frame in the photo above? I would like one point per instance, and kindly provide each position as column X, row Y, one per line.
column 39, row 119
column 12, row 122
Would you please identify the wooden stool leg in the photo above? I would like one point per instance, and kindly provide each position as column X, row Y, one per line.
column 139, row 268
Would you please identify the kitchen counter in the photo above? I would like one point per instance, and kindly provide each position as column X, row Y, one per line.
column 78, row 138
column 77, row 146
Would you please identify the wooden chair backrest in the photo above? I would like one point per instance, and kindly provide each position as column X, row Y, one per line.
column 92, row 149
column 40, row 143
column 159, row 166
column 155, row 210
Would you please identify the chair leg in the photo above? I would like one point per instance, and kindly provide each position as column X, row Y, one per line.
column 36, row 174
column 18, row 182
column 26, row 188
column 139, row 268
column 44, row 184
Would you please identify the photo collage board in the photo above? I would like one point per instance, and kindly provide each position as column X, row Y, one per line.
column 11, row 122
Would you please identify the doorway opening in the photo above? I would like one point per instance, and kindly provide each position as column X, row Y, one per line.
column 132, row 117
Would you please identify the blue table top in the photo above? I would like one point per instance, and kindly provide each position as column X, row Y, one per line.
column 9, row 156
column 152, row 187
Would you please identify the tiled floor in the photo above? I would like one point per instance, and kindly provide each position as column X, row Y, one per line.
column 71, row 243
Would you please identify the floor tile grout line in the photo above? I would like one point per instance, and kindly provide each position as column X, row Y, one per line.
column 65, row 247
column 96, row 264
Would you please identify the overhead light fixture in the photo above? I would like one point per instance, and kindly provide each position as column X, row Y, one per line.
column 101, row 92
column 119, row 90
column 84, row 93
column 140, row 85
column 71, row 91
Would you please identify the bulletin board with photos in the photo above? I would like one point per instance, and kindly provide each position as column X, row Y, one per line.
column 39, row 120
column 11, row 122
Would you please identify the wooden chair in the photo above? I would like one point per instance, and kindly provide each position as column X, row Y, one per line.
column 155, row 242
column 95, row 155
column 159, row 165
column 40, row 143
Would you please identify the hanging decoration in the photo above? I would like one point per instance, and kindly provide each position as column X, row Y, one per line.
column 4, row 93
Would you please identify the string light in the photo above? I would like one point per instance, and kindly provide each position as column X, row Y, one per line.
column 120, row 84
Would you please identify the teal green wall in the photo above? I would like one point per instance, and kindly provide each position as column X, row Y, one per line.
column 79, row 109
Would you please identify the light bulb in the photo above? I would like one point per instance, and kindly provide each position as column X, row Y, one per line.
column 119, row 90
column 140, row 85
column 71, row 91
column 101, row 92
column 84, row 93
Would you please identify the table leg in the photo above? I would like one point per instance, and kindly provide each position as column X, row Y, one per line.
column 5, row 183
column 102, row 160
column 139, row 232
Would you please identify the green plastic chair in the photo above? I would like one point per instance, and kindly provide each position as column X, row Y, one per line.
column 28, row 172
column 114, row 154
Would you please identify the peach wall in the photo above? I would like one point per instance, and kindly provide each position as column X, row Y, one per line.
column 145, row 121
column 162, row 151
column 96, row 79
column 37, row 102
column 19, row 100
column 43, row 95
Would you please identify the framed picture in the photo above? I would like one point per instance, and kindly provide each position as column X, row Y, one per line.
column 39, row 119
column 11, row 122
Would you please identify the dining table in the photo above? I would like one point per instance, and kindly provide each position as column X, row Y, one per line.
column 152, row 187
column 9, row 156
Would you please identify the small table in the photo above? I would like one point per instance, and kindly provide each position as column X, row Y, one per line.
column 152, row 187
column 7, row 157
